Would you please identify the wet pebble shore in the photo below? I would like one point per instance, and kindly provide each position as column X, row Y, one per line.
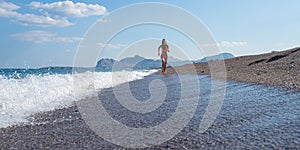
column 252, row 117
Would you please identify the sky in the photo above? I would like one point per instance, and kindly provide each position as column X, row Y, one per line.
column 49, row 33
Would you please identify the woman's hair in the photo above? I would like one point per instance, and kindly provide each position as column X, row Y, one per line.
column 163, row 41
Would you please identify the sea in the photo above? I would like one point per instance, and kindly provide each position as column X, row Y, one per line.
column 24, row 92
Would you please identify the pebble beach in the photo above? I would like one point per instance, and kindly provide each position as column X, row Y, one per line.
column 280, row 68
column 260, row 111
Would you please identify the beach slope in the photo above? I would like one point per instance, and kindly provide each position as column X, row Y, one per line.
column 276, row 68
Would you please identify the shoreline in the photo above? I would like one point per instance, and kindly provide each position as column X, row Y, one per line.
column 280, row 69
column 253, row 116
column 247, row 123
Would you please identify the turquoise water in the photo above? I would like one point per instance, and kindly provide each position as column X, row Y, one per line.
column 17, row 73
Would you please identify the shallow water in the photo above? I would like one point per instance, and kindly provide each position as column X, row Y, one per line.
column 252, row 116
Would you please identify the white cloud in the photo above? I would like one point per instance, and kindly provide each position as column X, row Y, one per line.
column 8, row 10
column 104, row 20
column 69, row 51
column 8, row 6
column 226, row 44
column 231, row 44
column 111, row 46
column 70, row 9
column 39, row 36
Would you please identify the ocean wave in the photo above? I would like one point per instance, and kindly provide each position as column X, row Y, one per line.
column 20, row 98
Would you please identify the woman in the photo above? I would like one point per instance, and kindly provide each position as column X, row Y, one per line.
column 164, row 55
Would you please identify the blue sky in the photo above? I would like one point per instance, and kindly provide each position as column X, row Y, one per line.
column 47, row 33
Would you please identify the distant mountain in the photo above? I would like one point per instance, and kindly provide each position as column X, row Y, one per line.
column 221, row 56
column 131, row 60
column 177, row 62
column 105, row 63
column 148, row 64
column 137, row 62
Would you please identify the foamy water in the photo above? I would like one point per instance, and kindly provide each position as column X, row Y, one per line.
column 20, row 98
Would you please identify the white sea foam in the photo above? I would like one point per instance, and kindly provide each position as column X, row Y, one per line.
column 20, row 98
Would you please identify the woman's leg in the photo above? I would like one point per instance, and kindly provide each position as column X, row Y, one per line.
column 162, row 66
column 165, row 63
column 165, row 66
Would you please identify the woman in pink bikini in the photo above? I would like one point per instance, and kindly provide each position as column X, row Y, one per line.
column 164, row 55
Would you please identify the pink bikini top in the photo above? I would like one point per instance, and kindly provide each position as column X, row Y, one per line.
column 164, row 48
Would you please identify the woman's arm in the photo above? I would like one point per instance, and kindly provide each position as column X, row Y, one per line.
column 158, row 50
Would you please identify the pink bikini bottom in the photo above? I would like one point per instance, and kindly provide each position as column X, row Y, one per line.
column 164, row 57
